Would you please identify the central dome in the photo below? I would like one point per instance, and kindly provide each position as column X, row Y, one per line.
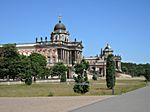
column 59, row 26
column 108, row 48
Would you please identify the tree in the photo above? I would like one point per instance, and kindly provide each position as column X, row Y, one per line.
column 15, row 66
column 23, row 69
column 32, row 66
column 124, row 69
column 110, row 73
column 147, row 74
column 47, row 72
column 38, row 64
column 81, row 81
column 134, row 69
column 8, row 60
column 59, row 69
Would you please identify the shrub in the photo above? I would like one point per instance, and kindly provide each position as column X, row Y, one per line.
column 63, row 77
column 82, row 84
column 50, row 94
column 28, row 81
column 94, row 77
column 81, row 81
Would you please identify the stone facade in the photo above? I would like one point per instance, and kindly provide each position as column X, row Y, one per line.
column 98, row 63
column 58, row 49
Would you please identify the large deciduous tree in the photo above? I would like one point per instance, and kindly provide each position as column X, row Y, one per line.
column 110, row 73
column 8, row 60
column 38, row 65
column 15, row 66
column 24, row 69
column 32, row 66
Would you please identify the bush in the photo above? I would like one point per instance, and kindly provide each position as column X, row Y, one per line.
column 94, row 77
column 50, row 94
column 81, row 81
column 82, row 84
column 63, row 77
column 28, row 81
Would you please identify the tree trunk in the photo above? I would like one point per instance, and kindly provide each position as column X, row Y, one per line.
column 113, row 91
column 8, row 78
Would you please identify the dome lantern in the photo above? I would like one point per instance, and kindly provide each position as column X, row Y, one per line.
column 59, row 25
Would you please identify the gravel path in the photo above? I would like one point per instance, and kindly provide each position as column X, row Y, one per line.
column 46, row 104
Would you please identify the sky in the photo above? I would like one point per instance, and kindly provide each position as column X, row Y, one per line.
column 124, row 24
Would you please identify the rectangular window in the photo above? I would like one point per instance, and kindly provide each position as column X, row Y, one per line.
column 49, row 60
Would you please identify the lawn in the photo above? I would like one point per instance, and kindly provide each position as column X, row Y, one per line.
column 65, row 89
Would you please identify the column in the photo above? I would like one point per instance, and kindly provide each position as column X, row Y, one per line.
column 70, row 57
column 61, row 54
column 77, row 56
column 64, row 56
column 80, row 55
column 67, row 57
column 74, row 55
column 104, row 71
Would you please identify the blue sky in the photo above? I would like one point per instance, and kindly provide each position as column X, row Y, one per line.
column 124, row 24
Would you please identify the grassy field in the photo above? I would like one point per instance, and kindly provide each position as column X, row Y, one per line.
column 65, row 89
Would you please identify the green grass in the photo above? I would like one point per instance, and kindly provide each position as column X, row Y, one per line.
column 64, row 89
column 43, row 89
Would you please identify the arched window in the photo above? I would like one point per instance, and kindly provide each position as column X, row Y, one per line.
column 56, row 37
column 62, row 37
column 65, row 40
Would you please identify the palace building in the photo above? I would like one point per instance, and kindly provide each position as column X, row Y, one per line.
column 56, row 48
column 59, row 48
column 98, row 63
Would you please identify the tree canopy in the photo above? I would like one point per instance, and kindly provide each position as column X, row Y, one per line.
column 80, row 67
column 15, row 66
column 134, row 69
column 38, row 65
column 8, row 60
column 59, row 69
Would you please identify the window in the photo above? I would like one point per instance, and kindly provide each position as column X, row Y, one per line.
column 49, row 60
column 54, row 59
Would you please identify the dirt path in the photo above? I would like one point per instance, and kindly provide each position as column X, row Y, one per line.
column 46, row 104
